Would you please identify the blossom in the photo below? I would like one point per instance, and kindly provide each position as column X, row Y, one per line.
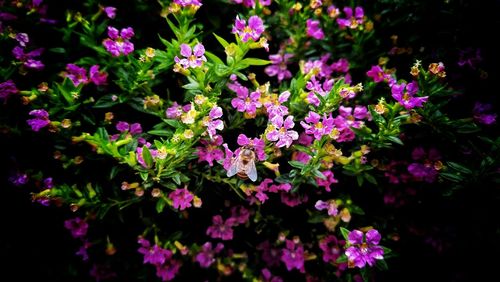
column 29, row 59
column 77, row 226
column 279, row 131
column 206, row 256
column 193, row 58
column 332, row 250
column 7, row 88
column 168, row 270
column 316, row 125
column 210, row 152
column 247, row 103
column 342, row 65
column 22, row 39
column 174, row 111
column 350, row 20
column 240, row 214
column 293, row 256
column 480, row 112
column 274, row 106
column 403, row 93
column 76, row 74
column 40, row 121
column 220, row 228
column 279, row 66
column 330, row 206
column 181, row 198
column 185, row 3
column 118, row 42
column 362, row 252
column 251, row 3
column 96, row 76
column 268, row 277
column 329, row 180
column 212, row 121
column 377, row 74
column 110, row 12
column 313, row 29
column 252, row 31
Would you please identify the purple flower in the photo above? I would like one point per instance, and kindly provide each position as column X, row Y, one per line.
column 329, row 180
column 122, row 126
column 480, row 113
column 279, row 66
column 279, row 131
column 221, row 229
column 181, row 198
column 240, row 214
column 330, row 206
column 40, row 121
column 365, row 252
column 19, row 179
column 97, row 77
column 350, row 20
column 293, row 199
column 252, row 31
column 210, row 152
column 256, row 143
column 332, row 249
column 377, row 74
column 76, row 74
column 268, row 277
column 274, row 106
column 168, row 270
column 110, row 12
column 22, row 39
column 7, row 88
column 193, row 58
column 48, row 183
column 271, row 256
column 212, row 122
column 206, row 256
column 313, row 29
column 174, row 111
column 185, row 3
column 404, row 93
column 247, row 103
column 293, row 256
column 28, row 59
column 77, row 226
column 119, row 43
column 135, row 128
column 317, row 126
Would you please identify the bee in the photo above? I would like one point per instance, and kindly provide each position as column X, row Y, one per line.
column 244, row 164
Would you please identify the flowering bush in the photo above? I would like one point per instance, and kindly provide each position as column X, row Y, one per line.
column 261, row 146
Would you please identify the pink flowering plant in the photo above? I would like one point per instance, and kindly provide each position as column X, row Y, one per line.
column 256, row 146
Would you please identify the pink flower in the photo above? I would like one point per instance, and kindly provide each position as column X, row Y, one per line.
column 350, row 20
column 404, row 94
column 329, row 180
column 119, row 42
column 280, row 131
column 181, row 198
column 313, row 29
column 256, row 143
column 247, row 103
column 221, row 229
column 210, row 152
column 110, row 12
column 279, row 66
column 193, row 58
column 293, row 256
column 212, row 122
column 275, row 108
column 252, row 31
column 315, row 125
column 377, row 74
column 330, row 206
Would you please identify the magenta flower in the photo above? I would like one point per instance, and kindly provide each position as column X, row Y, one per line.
column 350, row 20
column 256, row 143
column 76, row 74
column 280, row 131
column 140, row 159
column 316, row 87
column 22, row 39
column 330, row 206
column 342, row 65
column 269, row 277
column 293, row 256
column 7, row 88
column 330, row 179
column 482, row 113
column 40, row 121
column 119, row 43
column 279, row 66
column 221, row 229
column 377, row 74
column 247, row 103
column 77, row 226
column 206, row 256
column 185, row 3
column 193, row 58
column 174, row 111
column 316, row 125
column 155, row 255
column 96, row 76
column 362, row 252
column 29, row 59
column 168, row 270
column 352, row 118
column 210, row 152
column 275, row 107
column 122, row 126
column 229, row 157
column 293, row 199
column 252, row 31
column 240, row 214
column 251, row 3
column 110, row 12
column 181, row 198
column 212, row 122
column 332, row 249
column 403, row 93
column 270, row 255
column 313, row 29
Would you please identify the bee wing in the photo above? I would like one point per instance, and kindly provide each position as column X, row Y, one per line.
column 252, row 171
column 233, row 169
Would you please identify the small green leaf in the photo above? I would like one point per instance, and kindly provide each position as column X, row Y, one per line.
column 297, row 164
column 459, row 167
column 160, row 205
column 395, row 139
column 221, row 40
column 144, row 175
column 255, row 62
column 146, row 155
column 160, row 132
column 345, row 233
column 177, row 179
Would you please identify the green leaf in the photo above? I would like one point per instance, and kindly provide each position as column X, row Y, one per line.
column 177, row 179
column 221, row 40
column 255, row 62
column 381, row 264
column 345, row 233
column 144, row 175
column 160, row 205
column 114, row 171
column 395, row 139
column 318, row 174
column 160, row 132
column 146, row 155
column 173, row 122
column 297, row 164
column 370, row 178
column 459, row 167
column 451, row 177
column 214, row 58
column 106, row 101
